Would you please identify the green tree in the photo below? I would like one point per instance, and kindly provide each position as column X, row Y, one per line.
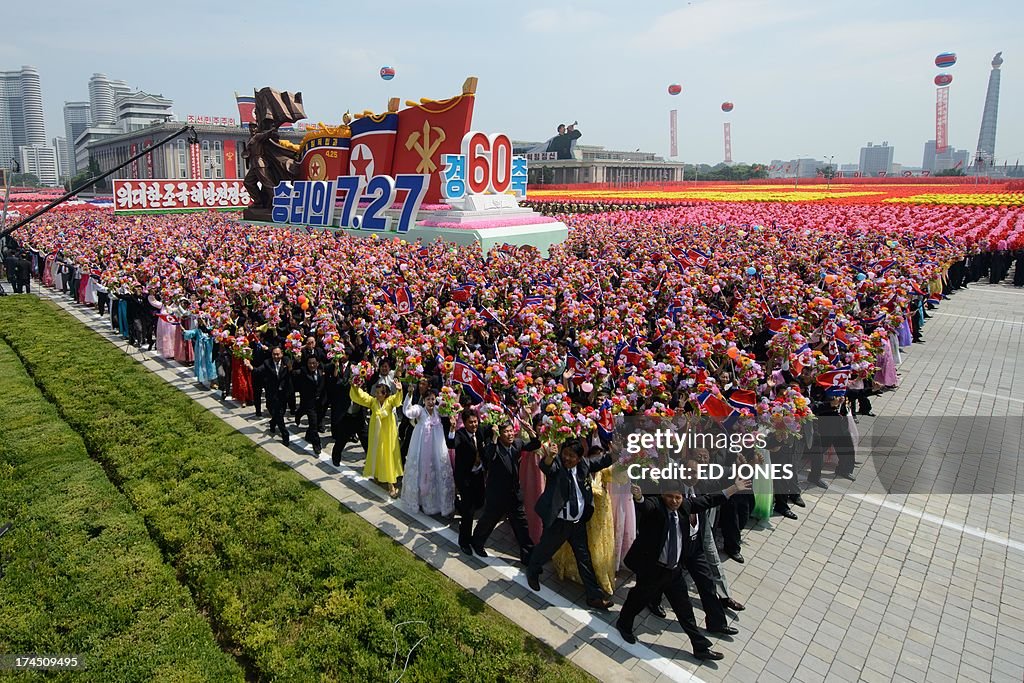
column 950, row 172
column 25, row 180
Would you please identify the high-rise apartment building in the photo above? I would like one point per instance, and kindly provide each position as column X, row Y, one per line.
column 21, row 112
column 40, row 161
column 876, row 159
column 63, row 162
column 77, row 117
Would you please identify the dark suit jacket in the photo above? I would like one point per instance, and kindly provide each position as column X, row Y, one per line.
column 651, row 527
column 311, row 389
column 466, row 447
column 558, row 489
column 502, row 471
column 278, row 385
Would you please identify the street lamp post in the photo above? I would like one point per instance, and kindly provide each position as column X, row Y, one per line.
column 828, row 173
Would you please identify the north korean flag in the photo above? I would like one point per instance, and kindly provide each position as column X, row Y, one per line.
column 533, row 300
column 675, row 308
column 460, row 325
column 488, row 314
column 373, row 145
column 698, row 257
column 423, row 252
column 470, row 380
column 834, row 381
column 775, row 325
column 402, row 298
column 679, row 256
column 883, row 266
column 605, row 421
column 463, row 293
column 842, row 340
column 591, row 296
column 628, row 352
column 717, row 409
column 766, row 308
column 743, row 399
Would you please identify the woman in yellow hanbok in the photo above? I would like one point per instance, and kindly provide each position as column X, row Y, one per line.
column 600, row 540
column 383, row 458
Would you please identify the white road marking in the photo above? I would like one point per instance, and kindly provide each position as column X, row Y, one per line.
column 991, row 320
column 929, row 517
column 982, row 393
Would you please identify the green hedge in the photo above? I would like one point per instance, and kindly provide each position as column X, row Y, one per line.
column 303, row 588
column 83, row 576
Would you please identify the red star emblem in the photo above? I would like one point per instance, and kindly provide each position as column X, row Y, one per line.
column 362, row 161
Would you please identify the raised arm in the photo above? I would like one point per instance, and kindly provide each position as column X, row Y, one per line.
column 360, row 397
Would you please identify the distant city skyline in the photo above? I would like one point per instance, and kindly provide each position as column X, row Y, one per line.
column 827, row 77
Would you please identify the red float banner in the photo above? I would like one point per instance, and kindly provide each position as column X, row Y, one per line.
column 426, row 131
column 373, row 145
column 176, row 196
column 325, row 156
column 133, row 149
column 230, row 160
column 941, row 120
column 195, row 162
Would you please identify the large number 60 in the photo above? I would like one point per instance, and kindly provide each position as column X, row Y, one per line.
column 488, row 162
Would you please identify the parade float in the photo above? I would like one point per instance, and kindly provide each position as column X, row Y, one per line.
column 420, row 172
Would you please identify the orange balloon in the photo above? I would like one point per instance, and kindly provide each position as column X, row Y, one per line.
column 827, row 303
column 830, row 278
column 305, row 306
column 732, row 352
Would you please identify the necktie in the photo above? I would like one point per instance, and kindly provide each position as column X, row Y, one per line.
column 573, row 505
column 673, row 539
column 693, row 516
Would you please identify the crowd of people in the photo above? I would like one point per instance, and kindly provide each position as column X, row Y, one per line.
column 496, row 386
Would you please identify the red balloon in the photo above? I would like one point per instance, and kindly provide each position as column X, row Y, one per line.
column 675, row 89
column 727, row 106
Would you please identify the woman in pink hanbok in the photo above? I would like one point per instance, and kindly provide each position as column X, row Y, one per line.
column 885, row 374
column 167, row 333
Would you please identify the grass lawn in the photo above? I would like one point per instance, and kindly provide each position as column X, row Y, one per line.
column 83, row 576
column 295, row 585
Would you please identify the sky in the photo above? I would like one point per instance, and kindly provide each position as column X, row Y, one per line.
column 808, row 78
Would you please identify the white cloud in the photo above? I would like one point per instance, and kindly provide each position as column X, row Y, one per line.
column 562, row 20
column 707, row 23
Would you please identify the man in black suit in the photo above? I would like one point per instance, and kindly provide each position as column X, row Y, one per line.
column 310, row 383
column 467, row 443
column 503, row 498
column 668, row 539
column 565, row 507
column 260, row 355
column 276, row 377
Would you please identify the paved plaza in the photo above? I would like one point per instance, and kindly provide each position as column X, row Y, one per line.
column 915, row 572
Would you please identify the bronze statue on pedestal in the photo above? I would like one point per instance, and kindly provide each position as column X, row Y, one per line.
column 270, row 159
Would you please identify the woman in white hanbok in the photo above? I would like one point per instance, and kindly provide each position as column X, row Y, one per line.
column 428, row 483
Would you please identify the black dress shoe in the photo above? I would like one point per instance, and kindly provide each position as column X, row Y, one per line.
column 534, row 581
column 821, row 484
column 284, row 440
column 626, row 635
column 603, row 604
column 724, row 631
column 787, row 513
column 846, row 475
column 658, row 611
column 708, row 655
column 798, row 501
column 480, row 551
column 736, row 557
column 729, row 603
column 466, row 549
column 869, row 414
